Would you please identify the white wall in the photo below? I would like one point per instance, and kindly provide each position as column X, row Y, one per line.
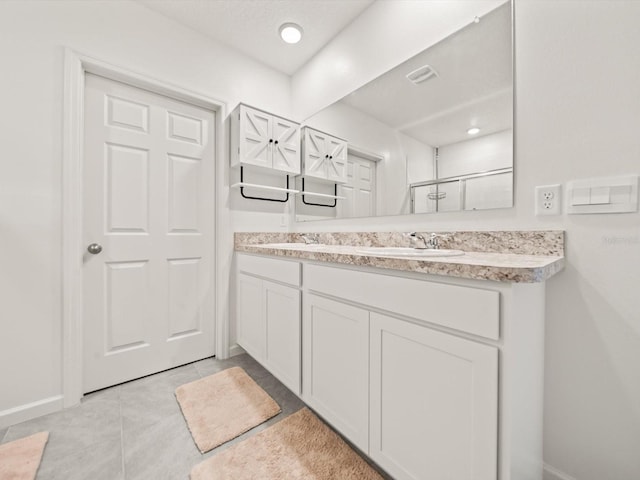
column 577, row 116
column 420, row 161
column 488, row 152
column 34, row 34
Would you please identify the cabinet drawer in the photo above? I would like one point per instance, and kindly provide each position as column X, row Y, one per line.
column 471, row 310
column 284, row 271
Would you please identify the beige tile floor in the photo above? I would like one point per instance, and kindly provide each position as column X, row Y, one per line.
column 136, row 430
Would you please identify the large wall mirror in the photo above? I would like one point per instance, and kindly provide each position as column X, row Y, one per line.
column 434, row 134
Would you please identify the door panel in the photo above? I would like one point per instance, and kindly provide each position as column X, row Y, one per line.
column 185, row 129
column 286, row 152
column 184, row 193
column 336, row 365
column 314, row 154
column 255, row 132
column 434, row 403
column 128, row 114
column 346, row 206
column 282, row 319
column 251, row 324
column 359, row 188
column 127, row 171
column 148, row 179
column 366, row 188
column 185, row 317
column 337, row 161
column 127, row 315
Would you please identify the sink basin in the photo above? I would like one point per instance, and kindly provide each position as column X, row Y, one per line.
column 409, row 252
column 294, row 245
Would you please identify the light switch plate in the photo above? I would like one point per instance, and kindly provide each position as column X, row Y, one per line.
column 600, row 196
column 580, row 196
column 605, row 195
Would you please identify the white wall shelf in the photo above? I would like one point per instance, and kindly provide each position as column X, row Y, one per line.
column 265, row 187
column 323, row 195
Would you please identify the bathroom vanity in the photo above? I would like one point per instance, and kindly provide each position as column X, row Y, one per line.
column 432, row 366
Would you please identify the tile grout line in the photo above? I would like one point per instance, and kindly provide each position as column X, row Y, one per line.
column 122, row 461
column 198, row 370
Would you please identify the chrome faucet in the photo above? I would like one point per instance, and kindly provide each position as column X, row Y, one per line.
column 432, row 243
column 414, row 237
column 310, row 238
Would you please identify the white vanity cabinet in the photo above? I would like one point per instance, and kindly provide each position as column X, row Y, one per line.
column 336, row 365
column 260, row 139
column 268, row 315
column 324, row 156
column 433, row 377
column 454, row 370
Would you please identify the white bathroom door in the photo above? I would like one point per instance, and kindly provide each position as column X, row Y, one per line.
column 148, row 226
column 359, row 190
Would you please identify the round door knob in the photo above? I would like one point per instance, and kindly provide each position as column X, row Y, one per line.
column 276, row 142
column 94, row 248
column 271, row 140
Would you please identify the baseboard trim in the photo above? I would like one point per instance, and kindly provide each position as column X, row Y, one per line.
column 552, row 473
column 30, row 410
column 236, row 350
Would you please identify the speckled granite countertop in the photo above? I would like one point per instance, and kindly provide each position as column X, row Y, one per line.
column 519, row 257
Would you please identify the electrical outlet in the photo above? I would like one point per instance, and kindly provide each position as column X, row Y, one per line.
column 548, row 200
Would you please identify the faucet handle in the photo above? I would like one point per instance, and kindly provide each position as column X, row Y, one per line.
column 310, row 238
column 434, row 240
column 414, row 237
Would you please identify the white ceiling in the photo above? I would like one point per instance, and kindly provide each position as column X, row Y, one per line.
column 473, row 86
column 251, row 26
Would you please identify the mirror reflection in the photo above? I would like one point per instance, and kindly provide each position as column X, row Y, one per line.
column 435, row 134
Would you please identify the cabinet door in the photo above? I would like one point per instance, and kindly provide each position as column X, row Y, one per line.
column 255, row 133
column 337, row 160
column 433, row 403
column 315, row 154
column 336, row 365
column 251, row 324
column 286, row 146
column 281, row 306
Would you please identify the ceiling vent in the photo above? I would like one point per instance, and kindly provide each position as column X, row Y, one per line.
column 422, row 74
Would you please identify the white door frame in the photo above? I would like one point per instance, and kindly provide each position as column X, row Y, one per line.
column 76, row 66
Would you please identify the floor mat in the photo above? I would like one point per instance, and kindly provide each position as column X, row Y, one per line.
column 300, row 447
column 20, row 459
column 223, row 406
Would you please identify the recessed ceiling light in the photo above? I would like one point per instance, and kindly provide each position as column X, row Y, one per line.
column 473, row 131
column 290, row 32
